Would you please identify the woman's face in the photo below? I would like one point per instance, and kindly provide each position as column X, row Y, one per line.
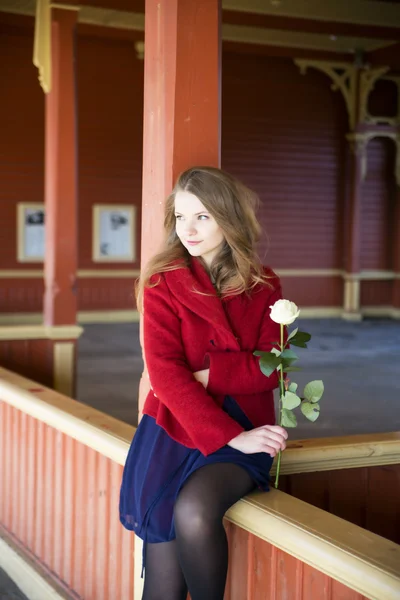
column 196, row 228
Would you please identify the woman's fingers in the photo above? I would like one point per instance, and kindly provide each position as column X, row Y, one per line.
column 277, row 429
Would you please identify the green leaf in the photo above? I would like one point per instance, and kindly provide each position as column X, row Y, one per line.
column 288, row 418
column 293, row 333
column 268, row 363
column 310, row 411
column 289, row 354
column 290, row 401
column 287, row 369
column 276, row 351
column 300, row 339
column 293, row 387
column 314, row 390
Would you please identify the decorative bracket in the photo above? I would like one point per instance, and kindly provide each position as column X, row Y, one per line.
column 42, row 44
column 343, row 76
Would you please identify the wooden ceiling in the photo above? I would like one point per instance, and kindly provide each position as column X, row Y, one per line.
column 336, row 28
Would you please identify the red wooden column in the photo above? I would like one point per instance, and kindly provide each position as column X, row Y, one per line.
column 182, row 106
column 358, row 146
column 396, row 241
column 46, row 353
column 60, row 301
column 61, row 176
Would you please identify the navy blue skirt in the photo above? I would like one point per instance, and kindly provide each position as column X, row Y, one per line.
column 157, row 467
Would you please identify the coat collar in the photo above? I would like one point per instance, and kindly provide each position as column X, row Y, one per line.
column 185, row 283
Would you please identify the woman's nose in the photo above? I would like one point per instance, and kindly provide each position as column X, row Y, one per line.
column 190, row 229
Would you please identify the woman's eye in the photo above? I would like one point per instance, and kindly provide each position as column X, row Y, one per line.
column 178, row 217
column 203, row 217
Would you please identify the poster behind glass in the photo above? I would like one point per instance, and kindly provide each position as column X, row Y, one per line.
column 115, row 228
column 31, row 232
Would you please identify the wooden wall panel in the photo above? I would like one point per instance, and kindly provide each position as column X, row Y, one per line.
column 259, row 571
column 106, row 294
column 110, row 134
column 59, row 499
column 31, row 358
column 376, row 293
column 21, row 295
column 314, row 291
column 26, row 295
column 283, row 134
column 22, row 134
column 366, row 496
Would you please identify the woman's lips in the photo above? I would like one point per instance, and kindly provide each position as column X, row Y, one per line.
column 193, row 243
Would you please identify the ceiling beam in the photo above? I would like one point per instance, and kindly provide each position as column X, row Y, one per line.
column 311, row 26
column 361, row 12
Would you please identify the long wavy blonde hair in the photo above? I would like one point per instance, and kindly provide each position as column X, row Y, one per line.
column 237, row 267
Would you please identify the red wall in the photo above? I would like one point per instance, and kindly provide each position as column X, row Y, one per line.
column 282, row 133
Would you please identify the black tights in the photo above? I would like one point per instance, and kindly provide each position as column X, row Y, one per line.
column 197, row 560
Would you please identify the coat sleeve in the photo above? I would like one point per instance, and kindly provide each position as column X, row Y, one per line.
column 207, row 424
column 239, row 372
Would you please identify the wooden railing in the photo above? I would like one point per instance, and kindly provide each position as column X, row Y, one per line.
column 355, row 477
column 60, row 471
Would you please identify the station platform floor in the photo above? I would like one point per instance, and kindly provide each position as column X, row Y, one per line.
column 359, row 363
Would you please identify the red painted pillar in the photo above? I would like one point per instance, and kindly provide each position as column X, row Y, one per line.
column 46, row 353
column 182, row 125
column 396, row 241
column 358, row 144
column 61, row 176
column 60, row 268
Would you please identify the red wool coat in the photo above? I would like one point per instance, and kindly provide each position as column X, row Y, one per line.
column 186, row 332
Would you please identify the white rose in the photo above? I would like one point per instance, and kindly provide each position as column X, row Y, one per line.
column 284, row 312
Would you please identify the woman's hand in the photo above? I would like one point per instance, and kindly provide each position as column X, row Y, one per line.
column 202, row 376
column 268, row 438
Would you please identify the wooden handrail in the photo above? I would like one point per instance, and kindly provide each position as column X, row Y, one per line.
column 301, row 456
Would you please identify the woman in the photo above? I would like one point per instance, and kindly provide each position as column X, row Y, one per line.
column 207, row 437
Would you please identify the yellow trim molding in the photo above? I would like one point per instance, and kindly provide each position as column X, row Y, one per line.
column 83, row 317
column 40, row 332
column 21, row 273
column 321, row 312
column 42, row 43
column 309, row 272
column 108, row 273
column 352, row 298
column 108, row 316
column 133, row 316
column 133, row 273
column 82, row 273
column 64, row 367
